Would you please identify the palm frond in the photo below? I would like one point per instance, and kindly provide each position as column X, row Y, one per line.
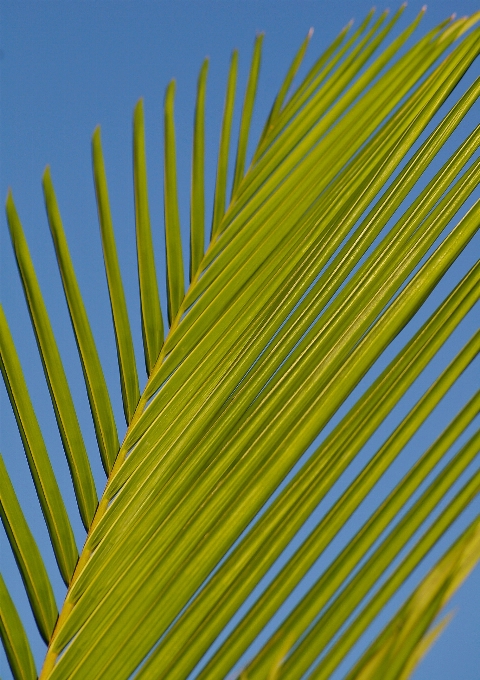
column 335, row 237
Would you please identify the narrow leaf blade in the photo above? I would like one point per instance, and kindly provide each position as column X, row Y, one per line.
column 197, row 205
column 102, row 413
column 223, row 152
column 247, row 111
column 152, row 321
column 173, row 241
column 123, row 336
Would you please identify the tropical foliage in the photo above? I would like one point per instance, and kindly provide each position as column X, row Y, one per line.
column 332, row 240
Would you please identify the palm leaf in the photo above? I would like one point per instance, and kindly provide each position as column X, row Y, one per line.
column 335, row 237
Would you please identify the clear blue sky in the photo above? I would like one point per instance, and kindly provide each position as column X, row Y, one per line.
column 66, row 66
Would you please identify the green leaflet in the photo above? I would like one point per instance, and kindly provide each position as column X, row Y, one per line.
column 152, row 322
column 53, row 508
column 260, row 301
column 14, row 639
column 299, row 140
column 77, row 584
column 320, row 71
column 66, row 416
column 27, row 555
column 223, row 152
column 197, row 201
column 322, row 471
column 103, row 419
column 317, row 75
column 123, row 336
column 173, row 242
column 414, row 651
column 247, row 111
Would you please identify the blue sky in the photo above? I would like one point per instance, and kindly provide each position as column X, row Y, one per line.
column 66, row 66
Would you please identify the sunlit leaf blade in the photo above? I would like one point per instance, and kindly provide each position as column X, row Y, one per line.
column 152, row 322
column 390, row 655
column 101, row 408
column 247, row 111
column 136, row 451
column 27, row 556
column 173, row 241
column 241, row 572
column 197, row 201
column 14, row 639
column 51, row 502
column 302, row 328
column 420, row 649
column 223, row 151
column 282, row 93
column 66, row 416
column 123, row 336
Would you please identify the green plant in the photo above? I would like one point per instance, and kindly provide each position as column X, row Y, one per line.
column 313, row 269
